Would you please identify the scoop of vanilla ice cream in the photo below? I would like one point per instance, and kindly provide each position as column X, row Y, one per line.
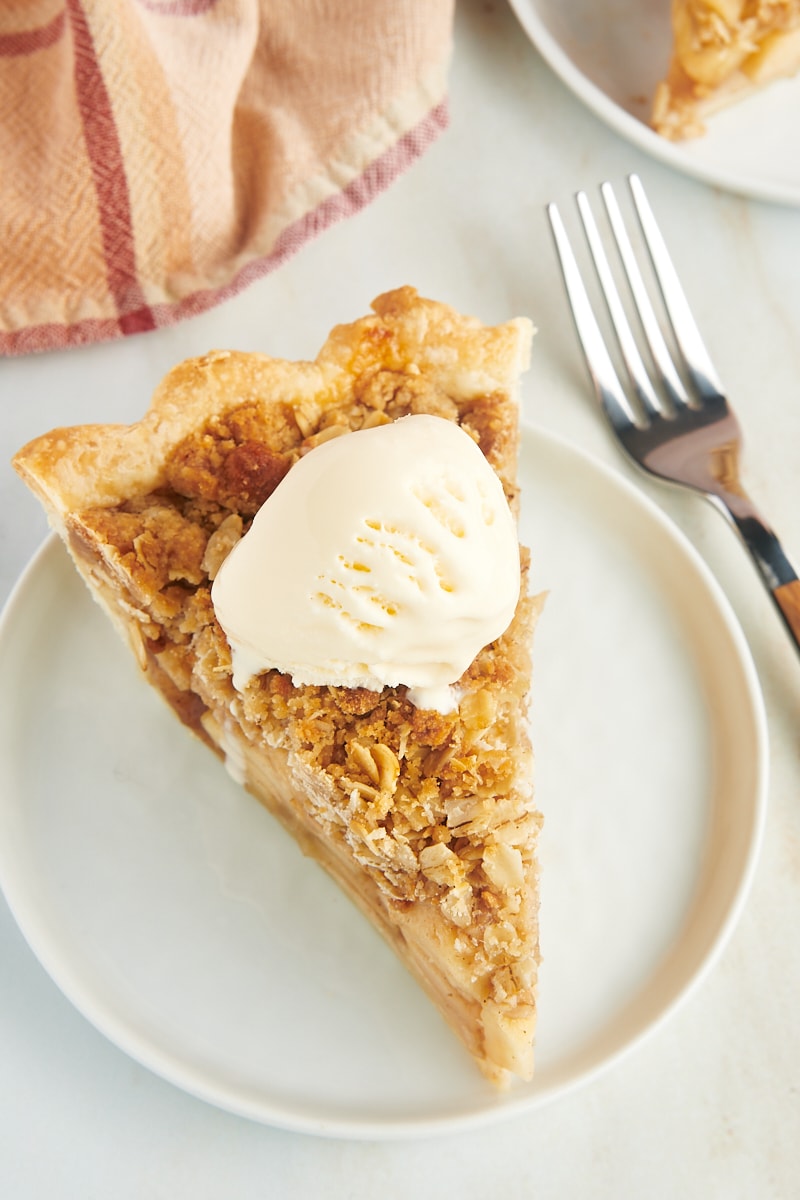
column 386, row 556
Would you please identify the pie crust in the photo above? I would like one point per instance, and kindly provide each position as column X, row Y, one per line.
column 427, row 821
column 723, row 51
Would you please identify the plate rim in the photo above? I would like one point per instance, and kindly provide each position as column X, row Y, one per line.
column 192, row 1079
column 634, row 130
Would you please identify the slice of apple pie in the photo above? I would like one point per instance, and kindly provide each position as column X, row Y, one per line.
column 317, row 565
column 723, row 51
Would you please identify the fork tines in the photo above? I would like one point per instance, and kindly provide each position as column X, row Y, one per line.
column 696, row 367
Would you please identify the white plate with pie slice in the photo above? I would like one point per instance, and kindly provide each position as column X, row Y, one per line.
column 183, row 922
column 612, row 53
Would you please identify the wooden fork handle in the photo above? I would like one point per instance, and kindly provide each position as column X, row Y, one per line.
column 777, row 572
column 787, row 598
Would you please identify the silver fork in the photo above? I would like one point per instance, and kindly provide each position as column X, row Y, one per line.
column 684, row 433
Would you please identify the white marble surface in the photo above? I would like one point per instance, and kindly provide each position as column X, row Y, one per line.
column 708, row 1107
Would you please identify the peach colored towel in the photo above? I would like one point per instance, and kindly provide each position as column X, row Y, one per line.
column 156, row 156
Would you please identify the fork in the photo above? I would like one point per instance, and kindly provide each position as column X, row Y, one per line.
column 674, row 420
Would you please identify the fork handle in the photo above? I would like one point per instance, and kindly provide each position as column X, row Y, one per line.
column 787, row 598
column 770, row 558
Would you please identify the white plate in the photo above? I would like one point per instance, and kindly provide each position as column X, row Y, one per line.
column 180, row 919
column 612, row 53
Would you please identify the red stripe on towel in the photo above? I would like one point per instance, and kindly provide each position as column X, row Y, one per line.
column 177, row 8
column 110, row 182
column 28, row 41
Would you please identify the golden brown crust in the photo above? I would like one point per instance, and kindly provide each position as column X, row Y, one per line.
column 425, row 819
column 101, row 465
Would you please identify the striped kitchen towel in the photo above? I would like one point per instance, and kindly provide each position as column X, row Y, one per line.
column 156, row 156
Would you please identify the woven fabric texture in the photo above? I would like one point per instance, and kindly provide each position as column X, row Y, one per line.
column 158, row 155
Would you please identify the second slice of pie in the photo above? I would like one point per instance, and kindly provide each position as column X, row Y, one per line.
column 367, row 500
column 723, row 51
